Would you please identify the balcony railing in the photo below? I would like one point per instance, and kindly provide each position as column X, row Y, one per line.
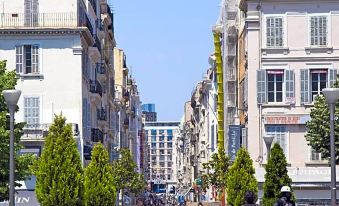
column 95, row 87
column 41, row 130
column 97, row 135
column 45, row 20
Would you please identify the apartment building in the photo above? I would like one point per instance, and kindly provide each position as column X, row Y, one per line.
column 161, row 138
column 198, row 139
column 288, row 52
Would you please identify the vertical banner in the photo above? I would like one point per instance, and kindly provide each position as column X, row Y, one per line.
column 234, row 140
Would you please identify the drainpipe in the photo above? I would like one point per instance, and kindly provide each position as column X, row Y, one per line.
column 260, row 106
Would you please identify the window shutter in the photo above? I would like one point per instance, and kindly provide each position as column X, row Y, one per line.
column 289, row 82
column 35, row 59
column 84, row 116
column 89, row 120
column 261, row 86
column 19, row 58
column 304, row 83
column 333, row 77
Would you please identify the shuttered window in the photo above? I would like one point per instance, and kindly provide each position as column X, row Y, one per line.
column 274, row 31
column 27, row 59
column 32, row 111
column 289, row 83
column 318, row 29
column 261, row 86
column 275, row 86
column 31, row 12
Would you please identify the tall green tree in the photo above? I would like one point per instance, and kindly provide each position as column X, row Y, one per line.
column 59, row 171
column 241, row 178
column 318, row 128
column 217, row 169
column 22, row 162
column 276, row 175
column 99, row 180
column 125, row 175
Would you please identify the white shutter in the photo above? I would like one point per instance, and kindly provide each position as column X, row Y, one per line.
column 289, row 82
column 35, row 59
column 332, row 77
column 261, row 86
column 19, row 58
column 304, row 83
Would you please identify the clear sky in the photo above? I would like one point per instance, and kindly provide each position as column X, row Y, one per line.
column 167, row 44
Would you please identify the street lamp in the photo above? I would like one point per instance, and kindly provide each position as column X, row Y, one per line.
column 332, row 95
column 11, row 98
column 268, row 141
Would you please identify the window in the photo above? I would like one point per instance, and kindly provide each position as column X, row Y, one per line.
column 169, row 151
column 154, row 163
column 162, row 164
column 318, row 30
column 279, row 132
column 153, row 132
column 315, row 156
column 161, row 131
column 27, row 59
column 169, row 132
column 32, row 110
column 169, row 157
column 162, row 158
column 153, row 151
column 154, row 159
column 319, row 82
column 312, row 81
column 161, row 138
column 162, row 151
column 154, row 138
column 169, row 164
column 161, row 145
column 169, row 145
column 154, row 145
column 169, row 138
column 274, row 32
column 169, row 177
column 275, row 85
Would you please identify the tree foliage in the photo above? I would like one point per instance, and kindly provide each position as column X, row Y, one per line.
column 22, row 162
column 217, row 169
column 99, row 180
column 241, row 178
column 318, row 128
column 59, row 170
column 125, row 175
column 276, row 175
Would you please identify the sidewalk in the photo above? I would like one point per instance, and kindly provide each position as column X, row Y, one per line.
column 204, row 203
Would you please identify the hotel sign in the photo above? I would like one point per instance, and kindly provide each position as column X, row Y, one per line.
column 287, row 119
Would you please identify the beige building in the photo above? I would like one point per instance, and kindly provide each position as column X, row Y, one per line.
column 288, row 52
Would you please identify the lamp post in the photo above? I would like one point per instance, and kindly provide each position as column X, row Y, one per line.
column 11, row 98
column 268, row 141
column 332, row 95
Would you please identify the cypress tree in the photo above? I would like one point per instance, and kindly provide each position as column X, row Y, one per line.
column 276, row 175
column 241, row 178
column 59, row 171
column 99, row 185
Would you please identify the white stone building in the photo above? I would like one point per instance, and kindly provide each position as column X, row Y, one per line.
column 161, row 138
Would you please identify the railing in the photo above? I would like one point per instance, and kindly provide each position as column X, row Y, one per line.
column 95, row 87
column 97, row 135
column 44, row 20
column 41, row 130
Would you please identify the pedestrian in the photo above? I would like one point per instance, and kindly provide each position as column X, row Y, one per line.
column 286, row 197
column 200, row 204
column 250, row 198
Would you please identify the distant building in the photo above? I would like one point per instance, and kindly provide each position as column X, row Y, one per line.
column 149, row 112
column 161, row 138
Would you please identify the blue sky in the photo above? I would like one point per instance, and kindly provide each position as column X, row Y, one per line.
column 167, row 44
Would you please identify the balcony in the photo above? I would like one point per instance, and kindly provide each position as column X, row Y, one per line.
column 39, row 20
column 95, row 87
column 97, row 135
column 40, row 131
column 102, row 114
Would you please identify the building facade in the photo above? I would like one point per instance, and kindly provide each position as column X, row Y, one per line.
column 161, row 138
column 288, row 52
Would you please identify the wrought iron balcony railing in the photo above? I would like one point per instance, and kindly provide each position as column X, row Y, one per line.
column 95, row 87
column 102, row 114
column 97, row 135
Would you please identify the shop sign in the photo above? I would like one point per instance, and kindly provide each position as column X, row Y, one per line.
column 288, row 119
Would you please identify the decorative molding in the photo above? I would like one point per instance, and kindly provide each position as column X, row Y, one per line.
column 30, row 76
column 303, row 58
column 275, row 50
column 328, row 50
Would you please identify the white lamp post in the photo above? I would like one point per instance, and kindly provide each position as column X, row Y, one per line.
column 268, row 141
column 332, row 95
column 11, row 98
